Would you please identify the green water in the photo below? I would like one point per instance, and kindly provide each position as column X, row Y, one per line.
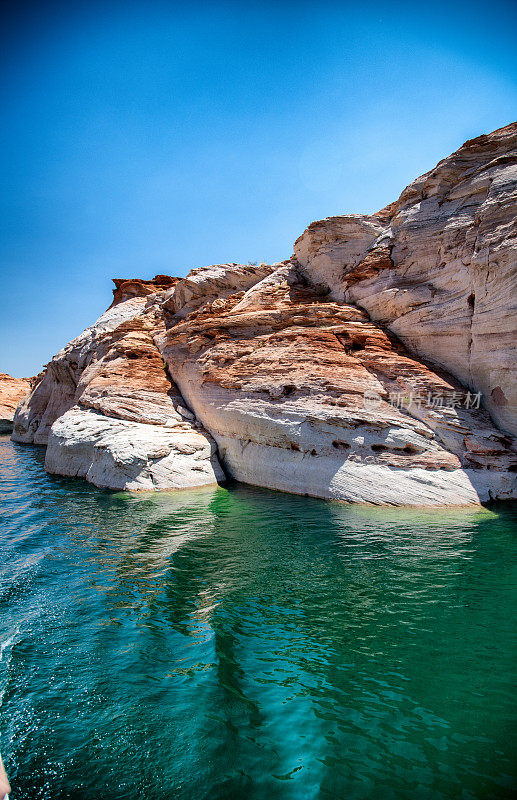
column 240, row 643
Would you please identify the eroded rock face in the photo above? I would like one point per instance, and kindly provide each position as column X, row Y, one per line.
column 12, row 391
column 215, row 283
column 117, row 454
column 125, row 288
column 279, row 380
column 110, row 413
column 294, row 370
column 438, row 267
column 57, row 388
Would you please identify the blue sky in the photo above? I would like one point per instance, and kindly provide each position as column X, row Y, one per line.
column 142, row 138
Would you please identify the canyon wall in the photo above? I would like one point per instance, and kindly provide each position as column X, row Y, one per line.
column 374, row 365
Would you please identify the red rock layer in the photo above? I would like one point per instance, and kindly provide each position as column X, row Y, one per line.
column 438, row 266
column 134, row 287
column 12, row 392
column 291, row 347
column 312, row 375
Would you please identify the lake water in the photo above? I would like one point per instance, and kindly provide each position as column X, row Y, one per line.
column 238, row 643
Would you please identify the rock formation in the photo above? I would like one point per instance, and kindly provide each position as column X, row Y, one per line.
column 438, row 267
column 108, row 411
column 12, row 390
column 362, row 369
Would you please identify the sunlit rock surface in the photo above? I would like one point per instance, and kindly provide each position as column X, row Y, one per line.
column 438, row 267
column 109, row 411
column 12, row 391
column 279, row 380
column 362, row 369
column 117, row 454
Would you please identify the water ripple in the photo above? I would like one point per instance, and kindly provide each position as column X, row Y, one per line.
column 239, row 643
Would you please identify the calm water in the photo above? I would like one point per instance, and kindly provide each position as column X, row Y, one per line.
column 247, row 644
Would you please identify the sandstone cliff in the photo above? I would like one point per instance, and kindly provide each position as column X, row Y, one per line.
column 438, row 267
column 12, row 390
column 363, row 369
column 108, row 411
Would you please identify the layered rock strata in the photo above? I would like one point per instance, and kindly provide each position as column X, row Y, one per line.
column 438, row 267
column 109, row 412
column 280, row 380
column 352, row 371
column 12, row 391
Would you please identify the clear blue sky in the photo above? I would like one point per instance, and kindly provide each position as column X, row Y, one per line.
column 151, row 137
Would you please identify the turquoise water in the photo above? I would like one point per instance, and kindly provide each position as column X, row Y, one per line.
column 240, row 643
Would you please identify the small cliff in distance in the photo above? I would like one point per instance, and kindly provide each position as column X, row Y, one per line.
column 12, row 391
column 374, row 365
